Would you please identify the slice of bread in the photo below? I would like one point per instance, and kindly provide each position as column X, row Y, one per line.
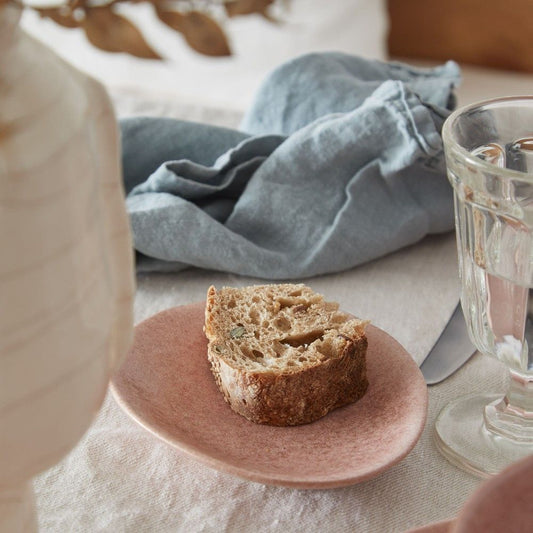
column 283, row 356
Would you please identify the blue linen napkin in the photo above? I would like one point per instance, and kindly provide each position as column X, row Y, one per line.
column 339, row 161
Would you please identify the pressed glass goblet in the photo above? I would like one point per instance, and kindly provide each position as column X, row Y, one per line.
column 489, row 156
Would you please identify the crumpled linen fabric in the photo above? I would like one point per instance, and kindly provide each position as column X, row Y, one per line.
column 338, row 161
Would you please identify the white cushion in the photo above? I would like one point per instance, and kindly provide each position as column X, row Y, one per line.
column 354, row 26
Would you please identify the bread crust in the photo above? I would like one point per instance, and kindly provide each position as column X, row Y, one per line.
column 287, row 395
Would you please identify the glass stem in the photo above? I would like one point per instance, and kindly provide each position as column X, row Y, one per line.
column 512, row 416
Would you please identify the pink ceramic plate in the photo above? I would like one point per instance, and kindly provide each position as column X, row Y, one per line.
column 502, row 503
column 166, row 385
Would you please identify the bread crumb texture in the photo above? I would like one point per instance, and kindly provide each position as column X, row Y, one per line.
column 281, row 355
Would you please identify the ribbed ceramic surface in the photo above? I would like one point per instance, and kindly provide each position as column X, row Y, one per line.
column 66, row 281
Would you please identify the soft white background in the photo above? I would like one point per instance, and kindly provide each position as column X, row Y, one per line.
column 353, row 26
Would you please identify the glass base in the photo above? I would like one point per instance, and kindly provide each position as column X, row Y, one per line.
column 463, row 438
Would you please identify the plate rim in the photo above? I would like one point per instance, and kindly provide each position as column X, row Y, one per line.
column 279, row 479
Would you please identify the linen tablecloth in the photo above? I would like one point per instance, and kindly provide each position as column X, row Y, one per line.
column 120, row 478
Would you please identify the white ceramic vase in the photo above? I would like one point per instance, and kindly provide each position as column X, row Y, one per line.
column 66, row 265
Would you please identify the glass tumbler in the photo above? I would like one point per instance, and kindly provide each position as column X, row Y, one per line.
column 489, row 157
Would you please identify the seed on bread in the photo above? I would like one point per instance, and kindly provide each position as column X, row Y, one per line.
column 281, row 355
column 237, row 332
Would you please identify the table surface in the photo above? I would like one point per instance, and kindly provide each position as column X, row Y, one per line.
column 121, row 478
